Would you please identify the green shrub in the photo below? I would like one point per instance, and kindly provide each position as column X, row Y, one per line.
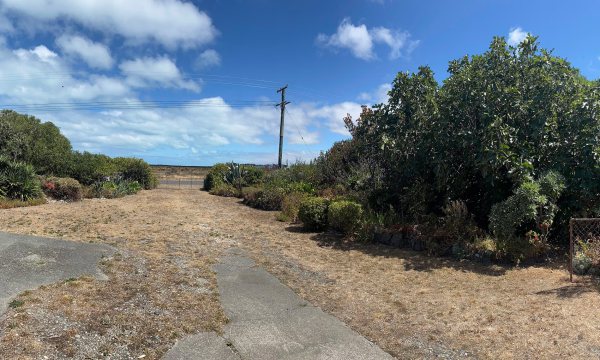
column 533, row 206
column 313, row 213
column 131, row 169
column 62, row 188
column 270, row 198
column 250, row 195
column 344, row 215
column 87, row 168
column 253, row 176
column 290, row 205
column 214, row 178
column 24, row 138
column 114, row 187
column 18, row 181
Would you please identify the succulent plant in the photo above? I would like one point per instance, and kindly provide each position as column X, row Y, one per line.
column 234, row 174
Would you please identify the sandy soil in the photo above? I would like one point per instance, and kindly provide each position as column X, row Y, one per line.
column 412, row 305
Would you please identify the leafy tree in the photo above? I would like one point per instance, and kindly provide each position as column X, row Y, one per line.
column 499, row 119
column 25, row 138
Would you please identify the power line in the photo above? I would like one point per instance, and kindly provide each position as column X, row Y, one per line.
column 133, row 105
column 54, row 75
column 297, row 129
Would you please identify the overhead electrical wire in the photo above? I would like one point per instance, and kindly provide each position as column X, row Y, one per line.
column 134, row 105
column 297, row 129
column 216, row 79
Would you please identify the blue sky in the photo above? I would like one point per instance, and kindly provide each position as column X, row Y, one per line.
column 231, row 56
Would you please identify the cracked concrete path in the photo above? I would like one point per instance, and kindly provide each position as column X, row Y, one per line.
column 26, row 262
column 270, row 321
column 202, row 346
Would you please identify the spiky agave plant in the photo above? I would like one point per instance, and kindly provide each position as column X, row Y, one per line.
column 18, row 181
column 234, row 175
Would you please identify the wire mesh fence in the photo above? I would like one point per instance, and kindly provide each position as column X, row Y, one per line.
column 585, row 247
column 181, row 182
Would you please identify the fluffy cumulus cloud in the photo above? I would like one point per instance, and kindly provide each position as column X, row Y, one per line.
column 360, row 40
column 378, row 96
column 172, row 23
column 515, row 36
column 96, row 55
column 209, row 58
column 161, row 70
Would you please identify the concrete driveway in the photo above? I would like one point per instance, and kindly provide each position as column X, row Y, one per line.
column 26, row 262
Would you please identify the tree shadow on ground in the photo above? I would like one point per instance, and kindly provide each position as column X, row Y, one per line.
column 413, row 260
column 571, row 290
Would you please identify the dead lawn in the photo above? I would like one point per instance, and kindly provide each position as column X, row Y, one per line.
column 411, row 305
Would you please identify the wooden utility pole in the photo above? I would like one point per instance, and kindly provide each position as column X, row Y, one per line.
column 282, row 104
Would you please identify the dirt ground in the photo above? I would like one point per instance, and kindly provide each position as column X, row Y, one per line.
column 161, row 288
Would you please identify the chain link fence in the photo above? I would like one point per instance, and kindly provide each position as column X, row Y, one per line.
column 585, row 247
column 177, row 181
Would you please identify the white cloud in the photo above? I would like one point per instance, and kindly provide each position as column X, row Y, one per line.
column 379, row 96
column 40, row 53
column 516, row 36
column 364, row 96
column 172, row 23
column 359, row 40
column 150, row 71
column 137, row 131
column 394, row 39
column 94, row 54
column 208, row 58
column 355, row 38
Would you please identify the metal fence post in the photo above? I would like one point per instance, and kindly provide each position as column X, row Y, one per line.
column 571, row 249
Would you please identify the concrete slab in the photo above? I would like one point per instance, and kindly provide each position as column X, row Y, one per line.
column 202, row 346
column 26, row 262
column 270, row 321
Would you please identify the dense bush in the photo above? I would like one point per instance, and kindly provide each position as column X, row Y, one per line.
column 18, row 181
column 62, row 188
column 532, row 208
column 250, row 195
column 290, row 205
column 25, row 138
column 87, row 168
column 477, row 137
column 131, row 169
column 519, row 150
column 313, row 213
column 253, row 176
column 214, row 178
column 344, row 215
column 270, row 198
column 114, row 187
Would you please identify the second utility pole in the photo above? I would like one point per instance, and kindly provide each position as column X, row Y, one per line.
column 283, row 103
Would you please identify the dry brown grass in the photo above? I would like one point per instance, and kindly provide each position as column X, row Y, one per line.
column 159, row 289
column 406, row 302
column 11, row 204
